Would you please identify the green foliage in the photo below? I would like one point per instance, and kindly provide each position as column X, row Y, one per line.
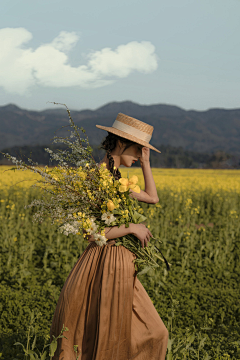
column 198, row 299
column 30, row 351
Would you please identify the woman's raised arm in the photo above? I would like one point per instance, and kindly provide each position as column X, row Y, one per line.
column 149, row 195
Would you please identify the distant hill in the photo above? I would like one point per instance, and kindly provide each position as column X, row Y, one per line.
column 200, row 131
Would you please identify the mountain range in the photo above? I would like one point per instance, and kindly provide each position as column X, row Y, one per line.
column 200, row 131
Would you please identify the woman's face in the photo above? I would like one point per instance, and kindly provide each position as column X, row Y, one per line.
column 130, row 155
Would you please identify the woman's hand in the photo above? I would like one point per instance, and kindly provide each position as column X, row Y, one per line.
column 141, row 232
column 90, row 238
column 145, row 155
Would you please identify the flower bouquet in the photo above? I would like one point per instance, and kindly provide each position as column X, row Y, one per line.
column 84, row 198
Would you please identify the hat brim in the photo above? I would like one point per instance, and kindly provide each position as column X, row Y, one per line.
column 127, row 136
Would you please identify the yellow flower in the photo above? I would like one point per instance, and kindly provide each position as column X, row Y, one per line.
column 110, row 205
column 129, row 184
column 82, row 175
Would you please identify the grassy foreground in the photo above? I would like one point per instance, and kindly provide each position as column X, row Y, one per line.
column 197, row 219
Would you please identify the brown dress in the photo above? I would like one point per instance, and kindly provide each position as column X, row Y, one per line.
column 106, row 309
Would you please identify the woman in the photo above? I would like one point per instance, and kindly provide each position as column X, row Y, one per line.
column 105, row 307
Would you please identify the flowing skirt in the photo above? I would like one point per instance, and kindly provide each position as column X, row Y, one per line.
column 106, row 309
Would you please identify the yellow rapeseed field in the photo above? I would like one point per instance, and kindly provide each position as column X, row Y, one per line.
column 190, row 180
column 197, row 223
column 176, row 180
column 17, row 179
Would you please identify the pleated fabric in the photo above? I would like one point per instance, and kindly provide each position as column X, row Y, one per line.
column 106, row 309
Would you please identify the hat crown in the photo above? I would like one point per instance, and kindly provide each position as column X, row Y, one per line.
column 133, row 127
column 135, row 123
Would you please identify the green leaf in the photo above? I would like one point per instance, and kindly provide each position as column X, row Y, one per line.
column 190, row 340
column 118, row 243
column 34, row 342
column 145, row 270
column 33, row 357
column 53, row 348
column 43, row 356
column 138, row 218
column 31, row 354
column 18, row 343
column 201, row 345
column 116, row 212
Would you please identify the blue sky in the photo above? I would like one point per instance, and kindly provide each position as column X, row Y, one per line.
column 86, row 54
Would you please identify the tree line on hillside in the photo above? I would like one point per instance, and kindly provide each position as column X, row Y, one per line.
column 170, row 157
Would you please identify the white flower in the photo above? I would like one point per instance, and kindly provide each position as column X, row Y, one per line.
column 93, row 228
column 67, row 228
column 108, row 217
column 100, row 239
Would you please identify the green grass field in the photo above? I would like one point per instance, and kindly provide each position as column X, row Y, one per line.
column 198, row 299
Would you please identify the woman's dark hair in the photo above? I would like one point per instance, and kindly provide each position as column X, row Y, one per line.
column 109, row 144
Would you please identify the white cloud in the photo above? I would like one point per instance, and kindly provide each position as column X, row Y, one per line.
column 65, row 41
column 48, row 65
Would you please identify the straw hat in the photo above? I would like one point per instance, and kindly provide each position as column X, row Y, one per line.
column 132, row 129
